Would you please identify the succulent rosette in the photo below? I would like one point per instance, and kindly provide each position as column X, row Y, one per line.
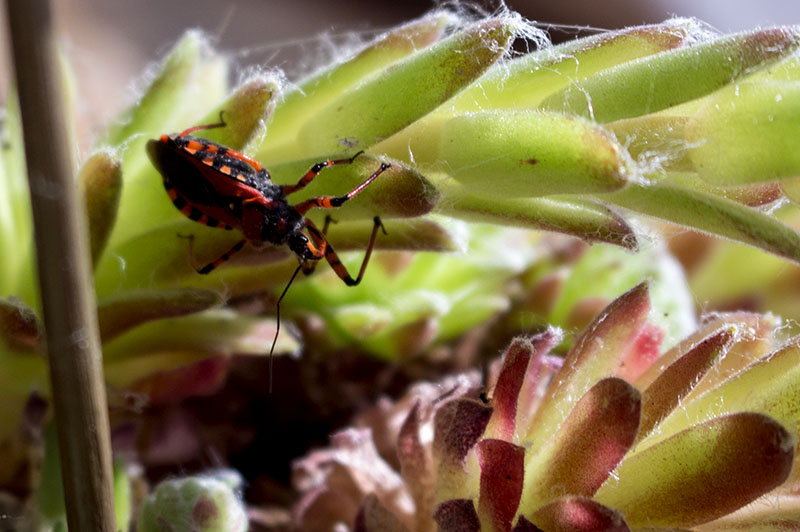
column 670, row 121
column 608, row 438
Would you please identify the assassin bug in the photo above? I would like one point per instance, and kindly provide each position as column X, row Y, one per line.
column 220, row 187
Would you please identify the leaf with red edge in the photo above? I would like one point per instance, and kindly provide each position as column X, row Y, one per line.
column 375, row 517
column 589, row 444
column 577, row 514
column 516, row 361
column 457, row 515
column 201, row 378
column 502, row 472
column 595, row 355
column 677, row 380
column 539, row 370
column 458, row 424
column 702, row 473
column 754, row 341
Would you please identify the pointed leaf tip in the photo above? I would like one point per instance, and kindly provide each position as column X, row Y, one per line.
column 385, row 103
column 678, row 379
column 101, row 179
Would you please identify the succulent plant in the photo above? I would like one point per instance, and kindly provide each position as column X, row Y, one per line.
column 607, row 438
column 670, row 121
column 207, row 503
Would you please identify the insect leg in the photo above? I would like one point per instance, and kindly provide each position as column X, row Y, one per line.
column 211, row 266
column 221, row 123
column 278, row 321
column 314, row 171
column 331, row 202
column 320, row 246
column 333, row 259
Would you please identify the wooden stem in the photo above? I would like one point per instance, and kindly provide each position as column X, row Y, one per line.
column 68, row 304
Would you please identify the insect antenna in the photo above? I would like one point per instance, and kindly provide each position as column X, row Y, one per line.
column 278, row 321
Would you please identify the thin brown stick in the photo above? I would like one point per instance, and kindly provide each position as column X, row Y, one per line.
column 68, row 304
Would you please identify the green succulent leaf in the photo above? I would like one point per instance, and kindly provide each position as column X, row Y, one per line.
column 663, row 80
column 587, row 220
column 214, row 331
column 299, row 105
column 171, row 89
column 529, row 153
column 391, row 100
column 123, row 493
column 711, row 214
column 526, row 80
column 754, row 339
column 604, row 272
column 125, row 311
column 768, row 386
column 401, row 191
column 16, row 229
column 244, row 113
column 694, row 476
column 743, row 134
column 101, row 179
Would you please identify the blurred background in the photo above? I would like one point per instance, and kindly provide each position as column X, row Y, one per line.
column 110, row 43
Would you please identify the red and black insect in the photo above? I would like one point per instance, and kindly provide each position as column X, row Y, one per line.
column 219, row 187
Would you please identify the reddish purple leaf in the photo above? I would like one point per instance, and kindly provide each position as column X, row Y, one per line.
column 677, row 380
column 539, row 368
column 458, row 425
column 457, row 515
column 577, row 514
column 596, row 354
column 520, row 368
column 502, row 473
column 509, row 383
column 590, row 443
